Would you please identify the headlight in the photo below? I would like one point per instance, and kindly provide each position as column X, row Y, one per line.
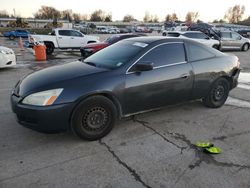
column 44, row 98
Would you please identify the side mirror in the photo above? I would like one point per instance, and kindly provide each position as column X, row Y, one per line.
column 143, row 66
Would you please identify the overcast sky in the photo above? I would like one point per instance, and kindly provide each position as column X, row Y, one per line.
column 208, row 9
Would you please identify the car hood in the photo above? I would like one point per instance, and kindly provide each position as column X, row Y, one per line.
column 50, row 78
column 5, row 48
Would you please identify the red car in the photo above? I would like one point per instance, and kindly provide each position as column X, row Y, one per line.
column 92, row 48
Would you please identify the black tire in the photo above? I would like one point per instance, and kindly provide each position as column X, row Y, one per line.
column 93, row 118
column 164, row 34
column 12, row 37
column 49, row 48
column 218, row 93
column 245, row 47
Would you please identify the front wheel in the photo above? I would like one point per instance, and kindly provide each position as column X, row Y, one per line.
column 49, row 48
column 218, row 94
column 245, row 47
column 93, row 118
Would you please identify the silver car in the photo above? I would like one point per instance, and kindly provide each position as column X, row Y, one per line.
column 233, row 40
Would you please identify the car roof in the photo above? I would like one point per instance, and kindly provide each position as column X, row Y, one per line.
column 182, row 32
column 130, row 34
column 152, row 39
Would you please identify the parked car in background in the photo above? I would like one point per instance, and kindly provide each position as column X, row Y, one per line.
column 17, row 33
column 125, row 30
column 231, row 40
column 113, row 30
column 197, row 36
column 90, row 49
column 63, row 39
column 208, row 29
column 132, row 76
column 7, row 57
column 244, row 33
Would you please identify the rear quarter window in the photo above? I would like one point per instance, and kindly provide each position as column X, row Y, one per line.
column 198, row 52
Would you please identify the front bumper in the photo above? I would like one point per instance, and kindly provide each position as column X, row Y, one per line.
column 55, row 118
column 235, row 77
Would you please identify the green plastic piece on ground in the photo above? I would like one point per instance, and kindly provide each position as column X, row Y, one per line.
column 204, row 144
column 213, row 150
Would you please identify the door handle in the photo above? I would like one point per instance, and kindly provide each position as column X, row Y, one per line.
column 184, row 76
column 60, row 37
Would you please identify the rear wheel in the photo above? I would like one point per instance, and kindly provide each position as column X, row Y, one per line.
column 218, row 94
column 93, row 118
column 245, row 47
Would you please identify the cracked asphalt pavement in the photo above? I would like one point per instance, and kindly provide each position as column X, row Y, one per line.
column 154, row 149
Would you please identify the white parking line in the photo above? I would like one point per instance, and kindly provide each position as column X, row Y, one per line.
column 237, row 102
column 244, row 86
column 244, row 77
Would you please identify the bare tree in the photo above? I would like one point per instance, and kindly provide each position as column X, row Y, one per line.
column 192, row 16
column 47, row 13
column 147, row 17
column 76, row 17
column 4, row 14
column 235, row 14
column 67, row 15
column 108, row 18
column 168, row 18
column 150, row 18
column 155, row 19
column 171, row 18
column 97, row 16
column 128, row 18
column 174, row 17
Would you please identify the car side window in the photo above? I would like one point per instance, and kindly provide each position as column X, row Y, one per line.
column 75, row 34
column 226, row 35
column 202, row 36
column 190, row 35
column 197, row 52
column 235, row 36
column 165, row 54
column 64, row 32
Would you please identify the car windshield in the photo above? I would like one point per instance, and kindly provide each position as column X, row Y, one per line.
column 115, row 55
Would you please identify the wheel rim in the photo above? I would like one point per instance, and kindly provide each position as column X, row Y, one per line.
column 219, row 92
column 49, row 48
column 245, row 47
column 95, row 119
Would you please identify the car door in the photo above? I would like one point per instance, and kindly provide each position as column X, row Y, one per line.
column 64, row 38
column 77, row 39
column 236, row 40
column 169, row 82
column 226, row 40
